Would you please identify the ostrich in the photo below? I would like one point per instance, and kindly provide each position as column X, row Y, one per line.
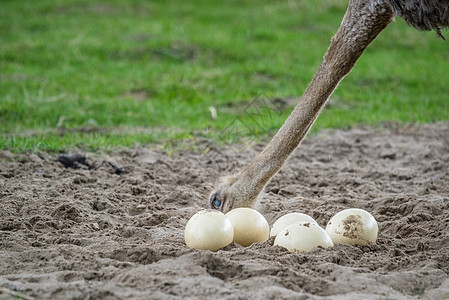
column 363, row 21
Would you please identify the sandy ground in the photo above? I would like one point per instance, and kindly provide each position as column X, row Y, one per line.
column 93, row 234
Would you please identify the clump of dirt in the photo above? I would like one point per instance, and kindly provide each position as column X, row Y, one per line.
column 91, row 233
column 353, row 226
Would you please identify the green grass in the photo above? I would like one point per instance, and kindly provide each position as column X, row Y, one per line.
column 101, row 75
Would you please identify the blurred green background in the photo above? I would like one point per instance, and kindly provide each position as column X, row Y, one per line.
column 101, row 75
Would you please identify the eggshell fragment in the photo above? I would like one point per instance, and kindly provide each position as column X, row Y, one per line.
column 250, row 226
column 353, row 226
column 289, row 219
column 303, row 237
column 208, row 230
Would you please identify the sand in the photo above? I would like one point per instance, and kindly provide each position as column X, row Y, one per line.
column 91, row 233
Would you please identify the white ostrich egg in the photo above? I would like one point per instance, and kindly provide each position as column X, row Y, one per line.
column 208, row 230
column 289, row 219
column 250, row 226
column 353, row 226
column 303, row 237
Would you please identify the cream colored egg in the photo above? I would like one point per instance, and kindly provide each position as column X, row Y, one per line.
column 208, row 230
column 353, row 226
column 303, row 237
column 249, row 226
column 289, row 219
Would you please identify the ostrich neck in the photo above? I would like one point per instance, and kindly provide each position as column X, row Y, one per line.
column 361, row 24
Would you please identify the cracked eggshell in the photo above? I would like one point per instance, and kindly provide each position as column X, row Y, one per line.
column 289, row 219
column 250, row 226
column 208, row 230
column 303, row 237
column 353, row 226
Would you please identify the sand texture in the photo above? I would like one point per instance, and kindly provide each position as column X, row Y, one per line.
column 92, row 233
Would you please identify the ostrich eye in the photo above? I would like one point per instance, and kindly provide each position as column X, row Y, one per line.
column 216, row 203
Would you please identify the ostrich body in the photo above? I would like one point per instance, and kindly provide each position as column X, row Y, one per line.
column 363, row 21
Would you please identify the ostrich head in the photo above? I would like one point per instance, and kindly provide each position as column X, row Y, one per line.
column 231, row 193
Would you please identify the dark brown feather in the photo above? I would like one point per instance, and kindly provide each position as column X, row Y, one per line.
column 423, row 14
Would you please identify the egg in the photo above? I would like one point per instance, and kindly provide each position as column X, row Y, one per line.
column 302, row 237
column 208, row 230
column 289, row 219
column 353, row 226
column 249, row 226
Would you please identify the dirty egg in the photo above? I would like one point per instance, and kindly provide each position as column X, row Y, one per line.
column 303, row 237
column 353, row 226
